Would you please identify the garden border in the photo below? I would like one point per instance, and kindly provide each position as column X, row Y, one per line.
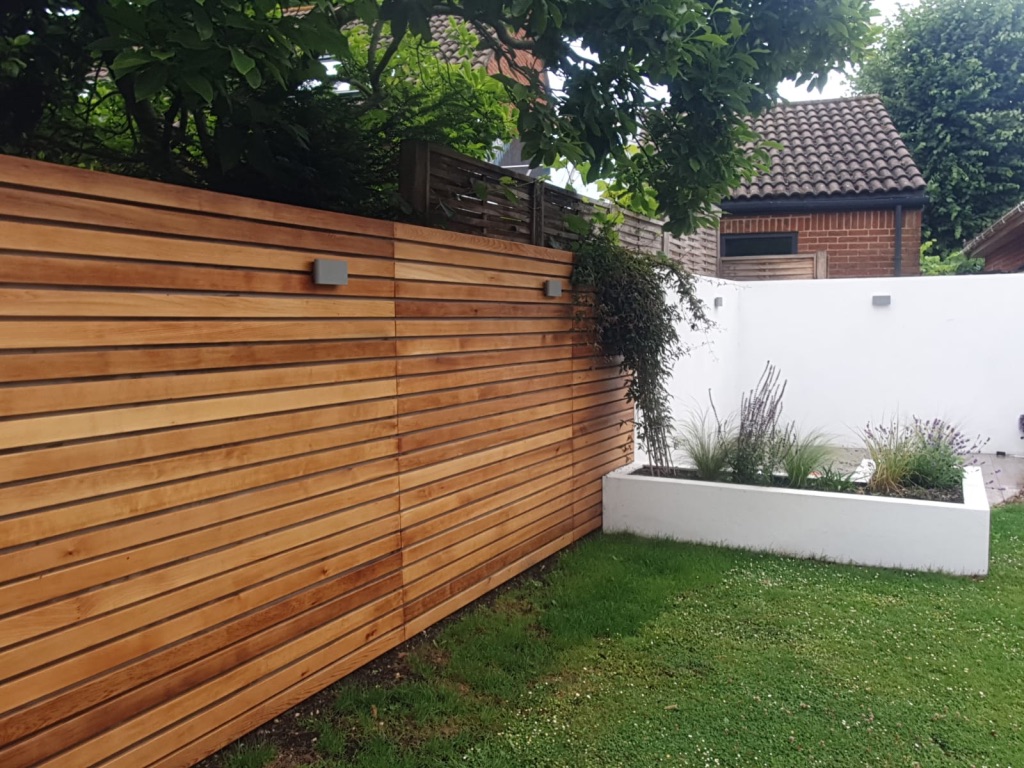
column 839, row 527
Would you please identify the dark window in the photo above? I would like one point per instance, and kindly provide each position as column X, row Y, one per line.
column 761, row 244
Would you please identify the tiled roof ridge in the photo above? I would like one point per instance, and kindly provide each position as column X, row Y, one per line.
column 833, row 100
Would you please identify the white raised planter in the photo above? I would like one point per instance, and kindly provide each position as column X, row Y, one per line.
column 840, row 527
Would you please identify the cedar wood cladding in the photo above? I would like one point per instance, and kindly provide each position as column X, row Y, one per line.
column 223, row 487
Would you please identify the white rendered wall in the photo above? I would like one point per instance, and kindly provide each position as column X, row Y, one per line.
column 948, row 347
column 714, row 360
column 841, row 527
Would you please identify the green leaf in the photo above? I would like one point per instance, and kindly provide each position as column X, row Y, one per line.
column 242, row 62
column 188, row 38
column 275, row 72
column 577, row 224
column 480, row 190
column 204, row 26
column 128, row 61
column 199, row 85
column 367, row 10
column 150, row 81
column 254, row 78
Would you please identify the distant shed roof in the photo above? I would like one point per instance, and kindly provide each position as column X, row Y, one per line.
column 441, row 32
column 1002, row 242
column 832, row 148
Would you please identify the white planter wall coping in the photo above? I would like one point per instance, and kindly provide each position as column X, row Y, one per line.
column 839, row 527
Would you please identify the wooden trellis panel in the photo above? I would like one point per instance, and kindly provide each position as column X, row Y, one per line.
column 458, row 193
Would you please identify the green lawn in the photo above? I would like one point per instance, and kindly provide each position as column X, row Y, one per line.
column 641, row 653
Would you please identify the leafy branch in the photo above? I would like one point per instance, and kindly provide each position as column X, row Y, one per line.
column 634, row 303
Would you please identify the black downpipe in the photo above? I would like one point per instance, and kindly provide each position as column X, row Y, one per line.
column 898, row 255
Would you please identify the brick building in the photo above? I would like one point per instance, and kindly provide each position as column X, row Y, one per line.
column 1002, row 244
column 843, row 185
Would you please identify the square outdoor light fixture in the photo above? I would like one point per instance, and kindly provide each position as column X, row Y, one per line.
column 883, row 300
column 552, row 288
column 718, row 301
column 330, row 272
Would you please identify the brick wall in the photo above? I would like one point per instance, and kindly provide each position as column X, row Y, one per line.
column 859, row 243
column 1009, row 257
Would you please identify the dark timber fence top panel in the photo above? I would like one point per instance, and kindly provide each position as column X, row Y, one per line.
column 461, row 194
column 223, row 487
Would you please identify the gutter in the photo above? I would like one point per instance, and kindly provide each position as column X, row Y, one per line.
column 825, row 203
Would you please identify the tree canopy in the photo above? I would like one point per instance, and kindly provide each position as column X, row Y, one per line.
column 217, row 92
column 951, row 74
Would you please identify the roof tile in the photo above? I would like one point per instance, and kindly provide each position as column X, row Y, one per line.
column 832, row 147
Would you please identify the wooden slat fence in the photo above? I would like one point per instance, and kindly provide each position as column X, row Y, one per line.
column 461, row 194
column 801, row 266
column 223, row 488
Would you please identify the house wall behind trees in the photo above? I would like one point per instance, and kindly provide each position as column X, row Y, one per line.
column 222, row 488
column 859, row 243
column 944, row 347
column 1008, row 258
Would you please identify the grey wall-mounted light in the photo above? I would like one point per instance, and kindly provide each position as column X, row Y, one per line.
column 330, row 272
column 883, row 300
column 718, row 302
column 552, row 288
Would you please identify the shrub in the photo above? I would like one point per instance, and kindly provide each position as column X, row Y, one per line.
column 635, row 303
column 709, row 443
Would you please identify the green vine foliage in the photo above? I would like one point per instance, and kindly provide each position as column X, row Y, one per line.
column 635, row 303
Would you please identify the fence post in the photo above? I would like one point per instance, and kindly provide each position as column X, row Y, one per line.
column 821, row 265
column 414, row 176
column 537, row 213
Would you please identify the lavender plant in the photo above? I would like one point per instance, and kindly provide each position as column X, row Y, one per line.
column 924, row 453
column 760, row 440
column 939, row 451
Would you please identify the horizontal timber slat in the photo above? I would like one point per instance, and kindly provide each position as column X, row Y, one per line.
column 27, row 268
column 29, row 302
column 22, row 334
column 223, row 487
column 56, row 366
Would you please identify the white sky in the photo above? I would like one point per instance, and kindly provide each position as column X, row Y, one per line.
column 837, row 83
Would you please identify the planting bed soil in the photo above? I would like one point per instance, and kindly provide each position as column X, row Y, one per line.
column 949, row 495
